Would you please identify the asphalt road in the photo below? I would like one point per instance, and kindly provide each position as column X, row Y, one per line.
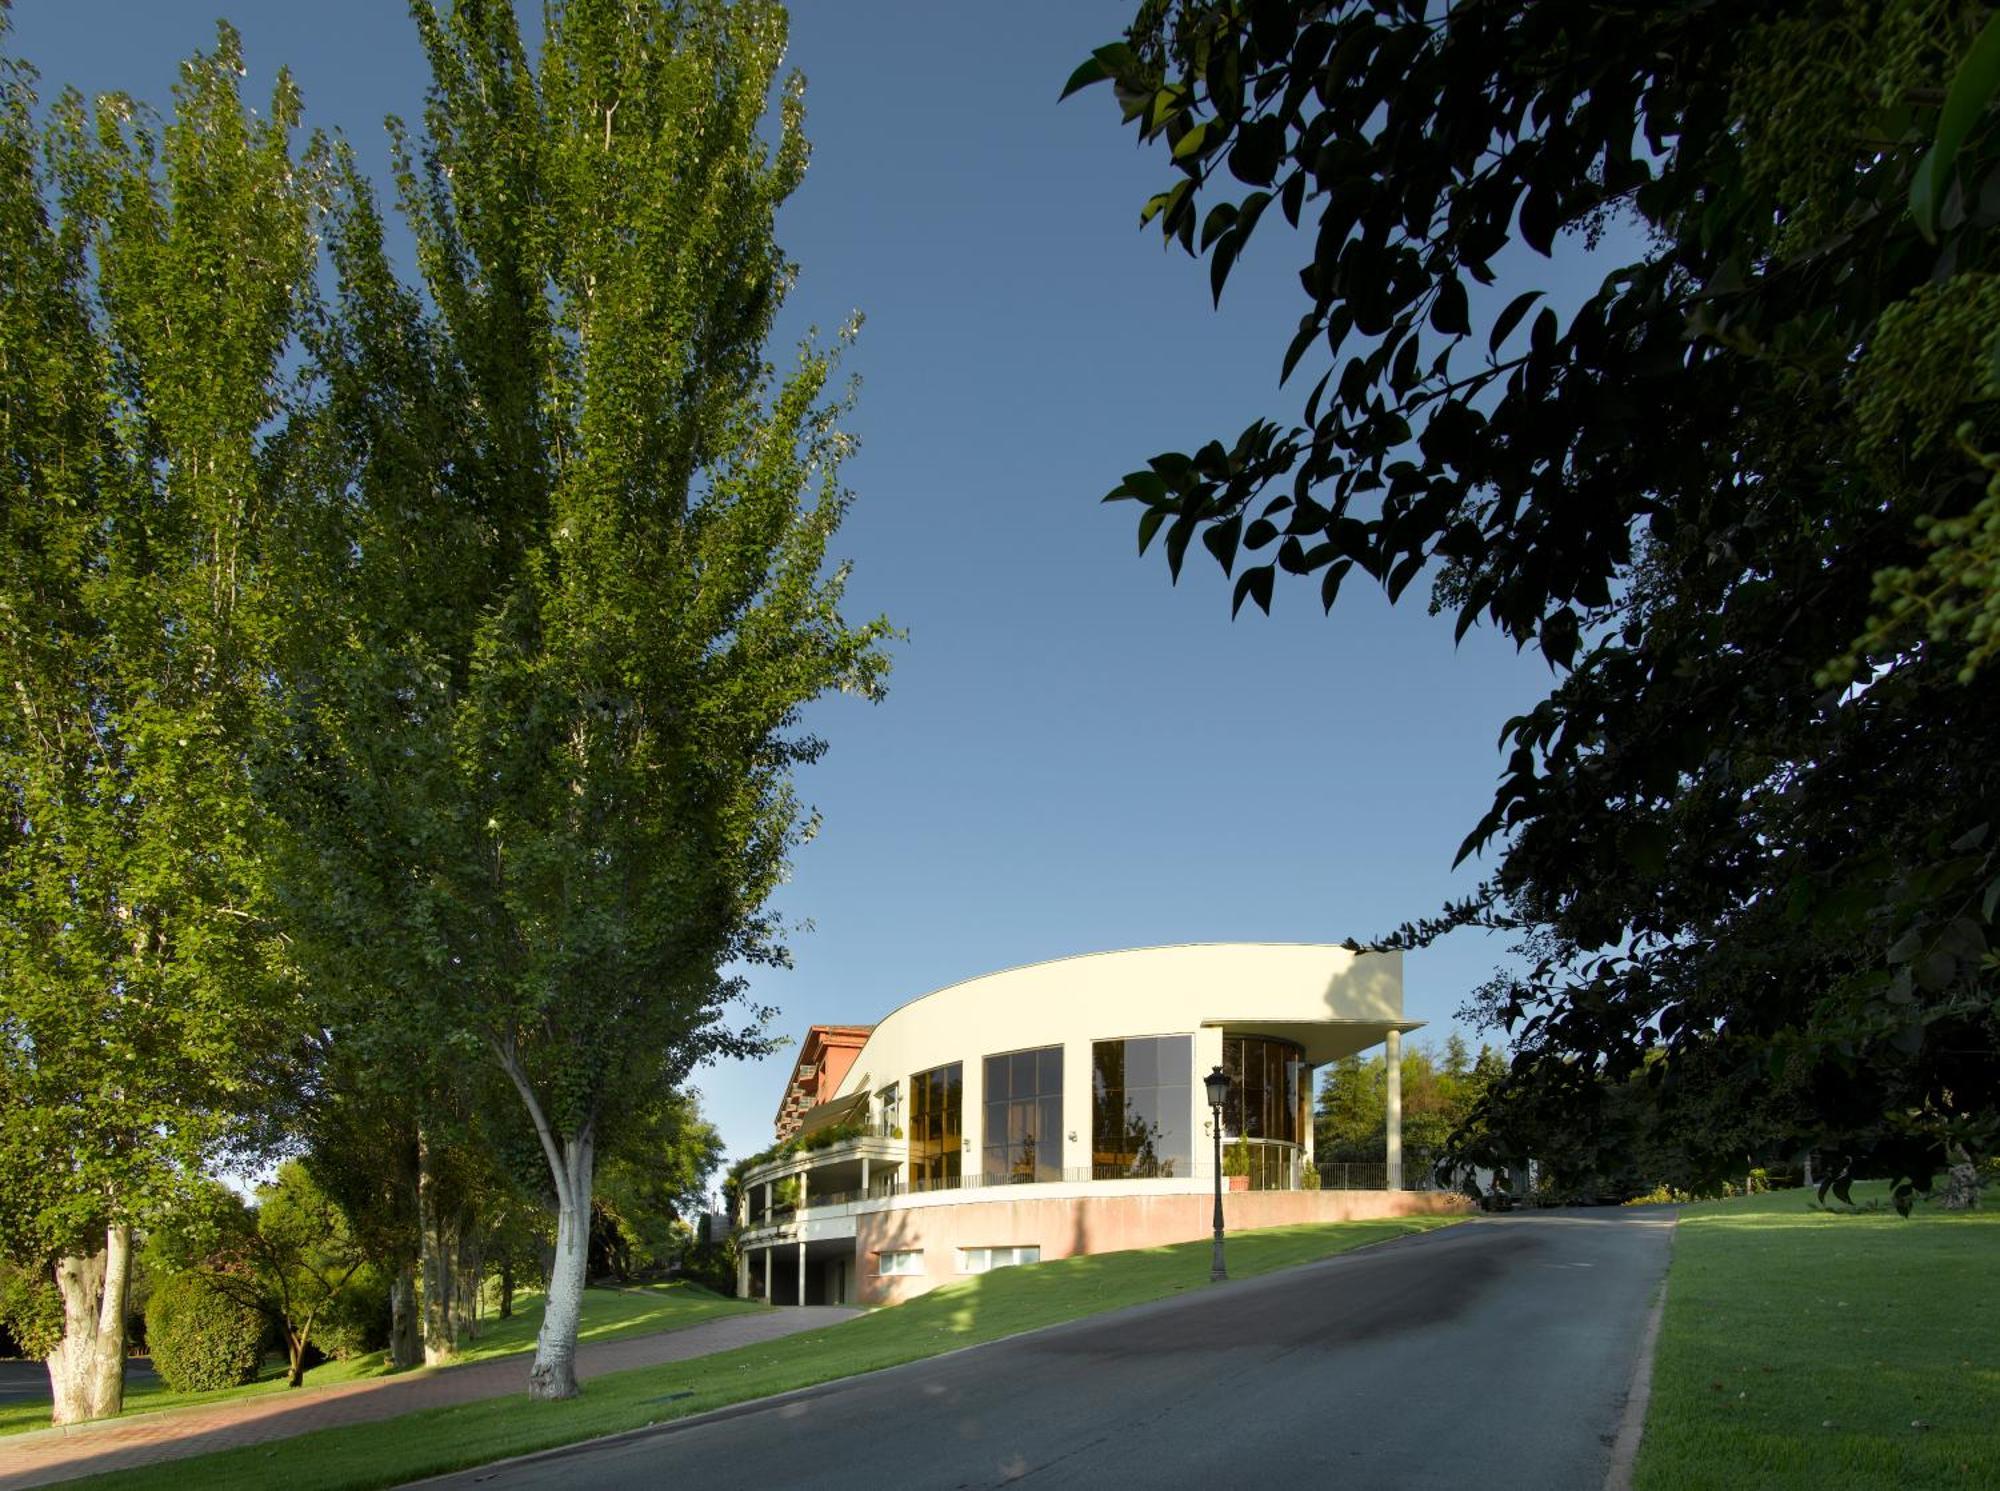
column 28, row 1382
column 1495, row 1353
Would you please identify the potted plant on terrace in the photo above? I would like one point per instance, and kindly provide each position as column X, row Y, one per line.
column 1236, row 1164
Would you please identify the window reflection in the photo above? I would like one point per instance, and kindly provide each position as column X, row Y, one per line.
column 1140, row 1101
column 936, row 1127
column 1270, row 1089
column 1023, row 1117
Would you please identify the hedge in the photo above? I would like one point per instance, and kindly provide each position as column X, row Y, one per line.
column 201, row 1339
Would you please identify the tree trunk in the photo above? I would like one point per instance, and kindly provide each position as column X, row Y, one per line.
column 506, row 1288
column 295, row 1350
column 471, row 1274
column 403, row 1339
column 554, row 1372
column 437, row 1222
column 87, row 1368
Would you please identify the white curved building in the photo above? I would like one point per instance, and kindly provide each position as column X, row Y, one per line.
column 1059, row 1108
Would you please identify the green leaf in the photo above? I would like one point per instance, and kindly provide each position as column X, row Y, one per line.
column 1450, row 313
column 1220, row 539
column 1255, row 584
column 1972, row 90
column 1091, row 71
column 1149, row 524
column 1511, row 318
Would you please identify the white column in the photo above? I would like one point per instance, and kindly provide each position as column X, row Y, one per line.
column 802, row 1271
column 1392, row 1054
column 802, row 1190
column 972, row 1119
column 767, row 1201
column 742, row 1275
column 769, row 1262
column 1308, row 1138
column 1207, row 1057
column 1076, row 1115
column 864, row 1175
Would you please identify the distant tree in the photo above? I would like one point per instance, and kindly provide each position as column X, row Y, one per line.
column 655, row 1181
column 292, row 1256
column 1743, row 499
column 1351, row 1113
column 150, row 278
column 574, row 587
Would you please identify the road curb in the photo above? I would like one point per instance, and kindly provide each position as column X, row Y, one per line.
column 1632, row 1424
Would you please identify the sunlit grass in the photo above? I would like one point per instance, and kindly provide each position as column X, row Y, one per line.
column 985, row 1308
column 1806, row 1349
column 608, row 1315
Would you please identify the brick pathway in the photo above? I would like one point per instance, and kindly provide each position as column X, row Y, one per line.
column 49, row 1455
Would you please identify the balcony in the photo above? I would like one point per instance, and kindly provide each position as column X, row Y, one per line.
column 834, row 1167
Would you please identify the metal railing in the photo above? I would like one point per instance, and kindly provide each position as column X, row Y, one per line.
column 1341, row 1175
column 1334, row 1175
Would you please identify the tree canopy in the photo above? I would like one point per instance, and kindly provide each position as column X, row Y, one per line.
column 153, row 273
column 1742, row 499
column 575, row 586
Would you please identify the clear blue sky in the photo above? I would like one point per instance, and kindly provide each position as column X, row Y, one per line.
column 1073, row 755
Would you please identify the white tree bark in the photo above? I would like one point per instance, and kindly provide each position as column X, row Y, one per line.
column 437, row 1229
column 87, row 1368
column 573, row 1167
column 554, row 1372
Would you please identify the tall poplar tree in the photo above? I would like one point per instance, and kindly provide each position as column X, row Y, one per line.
column 575, row 581
column 150, row 276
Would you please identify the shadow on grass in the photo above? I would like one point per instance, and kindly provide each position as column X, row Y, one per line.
column 967, row 1312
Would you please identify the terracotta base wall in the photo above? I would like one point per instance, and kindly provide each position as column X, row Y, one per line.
column 1063, row 1228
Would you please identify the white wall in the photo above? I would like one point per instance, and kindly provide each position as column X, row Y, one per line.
column 1331, row 1001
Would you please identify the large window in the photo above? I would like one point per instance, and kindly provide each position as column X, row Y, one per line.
column 1140, row 1101
column 900, row 1262
column 936, row 1128
column 1268, row 1089
column 1024, row 1117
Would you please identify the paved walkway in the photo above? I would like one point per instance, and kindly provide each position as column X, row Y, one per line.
column 49, row 1455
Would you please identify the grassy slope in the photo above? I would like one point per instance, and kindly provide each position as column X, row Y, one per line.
column 1798, row 1347
column 607, row 1315
column 985, row 1308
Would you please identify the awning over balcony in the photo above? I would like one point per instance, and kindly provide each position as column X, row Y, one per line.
column 850, row 1109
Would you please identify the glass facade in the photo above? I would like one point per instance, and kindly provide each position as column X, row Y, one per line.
column 1023, row 1117
column 936, row 1127
column 1140, row 1101
column 1270, row 1092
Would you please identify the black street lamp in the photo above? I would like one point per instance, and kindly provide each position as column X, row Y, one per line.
column 1217, row 1083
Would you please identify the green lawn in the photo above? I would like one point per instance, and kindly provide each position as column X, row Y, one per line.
column 1803, row 1349
column 985, row 1308
column 607, row 1315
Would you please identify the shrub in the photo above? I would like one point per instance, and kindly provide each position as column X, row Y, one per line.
column 30, row 1313
column 834, row 1134
column 1236, row 1158
column 712, row 1264
column 201, row 1339
column 1309, row 1177
column 357, row 1322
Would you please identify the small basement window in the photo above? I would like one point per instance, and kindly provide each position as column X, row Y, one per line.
column 900, row 1261
column 982, row 1260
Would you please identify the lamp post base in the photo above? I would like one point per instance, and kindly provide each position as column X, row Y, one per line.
column 1217, row 1272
